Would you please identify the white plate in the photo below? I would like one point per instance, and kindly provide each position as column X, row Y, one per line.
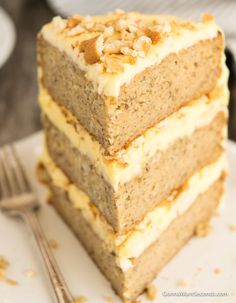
column 218, row 250
column 224, row 11
column 7, row 36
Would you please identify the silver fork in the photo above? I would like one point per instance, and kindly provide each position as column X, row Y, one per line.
column 18, row 199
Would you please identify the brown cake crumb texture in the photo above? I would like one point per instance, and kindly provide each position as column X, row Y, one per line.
column 121, row 39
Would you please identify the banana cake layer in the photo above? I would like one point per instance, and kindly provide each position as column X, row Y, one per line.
column 120, row 74
column 132, row 260
column 137, row 178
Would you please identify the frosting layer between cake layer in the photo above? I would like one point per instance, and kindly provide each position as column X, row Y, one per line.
column 131, row 244
column 130, row 161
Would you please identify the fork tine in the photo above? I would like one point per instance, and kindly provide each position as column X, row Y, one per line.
column 9, row 171
column 22, row 178
column 15, row 163
column 4, row 183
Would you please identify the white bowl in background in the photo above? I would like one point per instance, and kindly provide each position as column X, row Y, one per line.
column 7, row 36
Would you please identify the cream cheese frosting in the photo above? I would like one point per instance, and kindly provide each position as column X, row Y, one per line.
column 129, row 162
column 132, row 244
column 184, row 35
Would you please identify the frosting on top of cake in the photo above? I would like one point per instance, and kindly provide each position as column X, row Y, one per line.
column 112, row 49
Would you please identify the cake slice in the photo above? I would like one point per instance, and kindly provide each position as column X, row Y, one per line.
column 141, row 175
column 122, row 73
column 132, row 260
column 134, row 109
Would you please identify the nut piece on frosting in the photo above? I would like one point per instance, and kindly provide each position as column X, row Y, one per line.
column 120, row 34
column 207, row 18
column 155, row 36
column 92, row 49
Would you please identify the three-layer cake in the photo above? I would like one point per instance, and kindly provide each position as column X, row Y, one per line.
column 134, row 109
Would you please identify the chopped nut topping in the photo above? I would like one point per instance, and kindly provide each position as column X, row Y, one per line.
column 59, row 23
column 126, row 34
column 207, row 18
column 109, row 31
column 203, row 229
column 99, row 27
column 73, row 21
column 77, row 30
column 153, row 35
column 151, row 292
column 92, row 49
column 113, row 46
column 142, row 44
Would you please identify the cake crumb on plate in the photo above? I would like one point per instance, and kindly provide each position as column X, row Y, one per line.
column 81, row 299
column 53, row 244
column 108, row 299
column 232, row 228
column 151, row 292
column 29, row 273
column 217, row 271
column 11, row 282
column 182, row 283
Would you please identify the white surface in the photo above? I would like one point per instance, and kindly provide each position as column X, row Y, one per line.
column 7, row 36
column 218, row 250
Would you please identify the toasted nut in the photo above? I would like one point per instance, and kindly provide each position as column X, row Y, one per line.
column 113, row 46
column 155, row 36
column 207, row 18
column 122, row 24
column 59, row 23
column 92, row 49
column 131, row 53
column 72, row 22
column 142, row 44
column 99, row 27
column 77, row 30
column 125, row 35
column 109, row 31
column 89, row 25
column 132, row 60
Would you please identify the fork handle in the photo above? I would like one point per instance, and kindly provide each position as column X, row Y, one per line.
column 60, row 288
